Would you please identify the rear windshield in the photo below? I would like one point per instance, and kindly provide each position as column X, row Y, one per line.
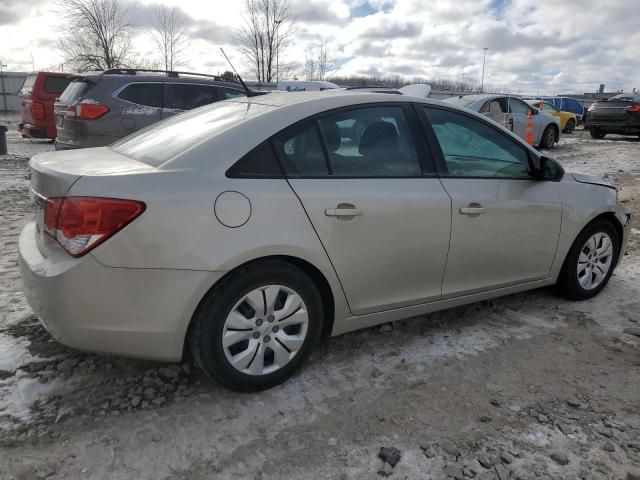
column 56, row 84
column 27, row 86
column 164, row 140
column 74, row 91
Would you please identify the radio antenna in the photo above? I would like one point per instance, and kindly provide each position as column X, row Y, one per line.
column 244, row 85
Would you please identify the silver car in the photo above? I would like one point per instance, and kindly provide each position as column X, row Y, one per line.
column 512, row 113
column 249, row 229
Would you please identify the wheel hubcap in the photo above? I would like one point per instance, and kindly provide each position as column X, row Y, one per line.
column 595, row 260
column 265, row 330
column 551, row 137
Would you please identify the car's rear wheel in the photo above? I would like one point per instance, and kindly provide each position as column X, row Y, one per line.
column 570, row 126
column 590, row 262
column 597, row 133
column 549, row 137
column 258, row 326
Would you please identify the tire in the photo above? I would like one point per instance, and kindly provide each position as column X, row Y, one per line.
column 227, row 307
column 570, row 126
column 597, row 133
column 549, row 137
column 571, row 283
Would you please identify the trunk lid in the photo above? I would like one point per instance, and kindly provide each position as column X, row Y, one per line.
column 611, row 109
column 25, row 99
column 67, row 128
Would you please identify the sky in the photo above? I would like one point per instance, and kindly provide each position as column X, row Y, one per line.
column 534, row 46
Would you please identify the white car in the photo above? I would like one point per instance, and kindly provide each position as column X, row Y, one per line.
column 250, row 228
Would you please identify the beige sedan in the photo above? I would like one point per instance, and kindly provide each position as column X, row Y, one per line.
column 251, row 228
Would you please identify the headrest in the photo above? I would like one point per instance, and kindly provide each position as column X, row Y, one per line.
column 378, row 135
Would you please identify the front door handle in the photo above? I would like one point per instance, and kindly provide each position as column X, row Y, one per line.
column 343, row 210
column 472, row 209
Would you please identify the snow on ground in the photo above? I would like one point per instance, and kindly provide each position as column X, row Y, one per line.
column 525, row 385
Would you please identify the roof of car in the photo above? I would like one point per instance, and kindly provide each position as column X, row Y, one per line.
column 281, row 99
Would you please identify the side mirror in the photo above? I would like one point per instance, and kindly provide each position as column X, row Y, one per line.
column 534, row 111
column 545, row 168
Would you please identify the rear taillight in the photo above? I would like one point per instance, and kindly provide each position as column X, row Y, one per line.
column 37, row 110
column 635, row 108
column 79, row 224
column 86, row 110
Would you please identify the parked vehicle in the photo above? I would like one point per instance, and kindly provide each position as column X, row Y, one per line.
column 249, row 229
column 619, row 114
column 37, row 95
column 568, row 120
column 102, row 107
column 567, row 104
column 305, row 85
column 512, row 113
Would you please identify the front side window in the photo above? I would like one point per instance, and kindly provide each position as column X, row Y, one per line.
column 471, row 148
column 185, row 96
column 362, row 142
column 147, row 94
column 518, row 106
column 549, row 107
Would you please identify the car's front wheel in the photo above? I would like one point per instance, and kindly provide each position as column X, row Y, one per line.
column 590, row 262
column 597, row 133
column 258, row 326
column 549, row 137
column 570, row 126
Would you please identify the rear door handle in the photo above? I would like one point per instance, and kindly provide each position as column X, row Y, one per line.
column 343, row 212
column 472, row 209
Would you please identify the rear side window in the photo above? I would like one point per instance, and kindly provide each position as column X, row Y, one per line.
column 27, row 86
column 183, row 96
column 259, row 163
column 148, row 94
column 362, row 142
column 74, row 91
column 56, row 84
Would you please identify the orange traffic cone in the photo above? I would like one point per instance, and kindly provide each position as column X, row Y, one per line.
column 529, row 134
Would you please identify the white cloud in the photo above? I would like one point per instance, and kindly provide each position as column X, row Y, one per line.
column 545, row 45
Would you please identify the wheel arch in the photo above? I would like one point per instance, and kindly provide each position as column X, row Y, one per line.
column 316, row 275
column 607, row 216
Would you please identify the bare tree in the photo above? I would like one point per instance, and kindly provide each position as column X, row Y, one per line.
column 170, row 36
column 319, row 61
column 97, row 35
column 266, row 26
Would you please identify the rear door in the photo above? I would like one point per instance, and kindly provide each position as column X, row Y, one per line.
column 505, row 224
column 179, row 97
column 370, row 190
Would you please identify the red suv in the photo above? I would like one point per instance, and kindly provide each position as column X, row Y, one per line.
column 37, row 95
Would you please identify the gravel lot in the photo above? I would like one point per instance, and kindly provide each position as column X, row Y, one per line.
column 526, row 386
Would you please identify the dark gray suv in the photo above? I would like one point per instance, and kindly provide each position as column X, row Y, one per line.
column 98, row 108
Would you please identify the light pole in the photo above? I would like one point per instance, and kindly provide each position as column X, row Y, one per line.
column 4, row 94
column 278, row 22
column 484, row 59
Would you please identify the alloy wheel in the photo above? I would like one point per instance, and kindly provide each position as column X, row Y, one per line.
column 265, row 329
column 595, row 260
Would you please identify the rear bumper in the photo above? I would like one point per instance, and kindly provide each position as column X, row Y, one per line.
column 617, row 126
column 83, row 304
column 58, row 145
column 31, row 131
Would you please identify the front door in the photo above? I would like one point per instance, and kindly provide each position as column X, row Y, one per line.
column 520, row 113
column 505, row 224
column 380, row 212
